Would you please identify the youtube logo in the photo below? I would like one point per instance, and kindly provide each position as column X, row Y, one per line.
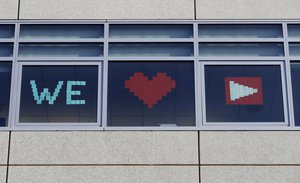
column 243, row 91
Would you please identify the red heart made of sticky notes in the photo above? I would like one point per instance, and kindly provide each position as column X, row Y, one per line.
column 150, row 91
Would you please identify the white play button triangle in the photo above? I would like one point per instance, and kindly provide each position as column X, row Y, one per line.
column 238, row 91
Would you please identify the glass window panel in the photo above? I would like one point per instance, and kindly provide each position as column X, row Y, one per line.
column 151, row 31
column 238, row 93
column 151, row 49
column 66, row 94
column 294, row 31
column 294, row 49
column 6, row 50
column 240, row 31
column 241, row 49
column 60, row 50
column 7, row 31
column 5, row 81
column 61, row 31
column 151, row 94
column 295, row 67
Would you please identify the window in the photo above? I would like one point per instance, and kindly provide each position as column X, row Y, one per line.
column 63, row 31
column 151, row 31
column 5, row 82
column 151, row 49
column 6, row 49
column 294, row 30
column 244, row 93
column 241, row 49
column 240, row 31
column 59, row 40
column 60, row 50
column 295, row 67
column 7, row 31
column 151, row 94
column 295, row 49
column 59, row 93
column 240, row 40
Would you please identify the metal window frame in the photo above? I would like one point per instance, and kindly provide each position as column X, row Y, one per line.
column 198, row 70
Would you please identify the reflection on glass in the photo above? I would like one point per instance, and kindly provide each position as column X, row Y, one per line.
column 295, row 67
column 6, row 50
column 243, row 93
column 60, row 50
column 240, row 31
column 151, row 94
column 151, row 49
column 5, row 80
column 241, row 49
column 7, row 31
column 59, row 94
column 150, row 31
column 294, row 31
column 294, row 49
column 61, row 31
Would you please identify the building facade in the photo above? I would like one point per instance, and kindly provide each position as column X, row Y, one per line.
column 218, row 103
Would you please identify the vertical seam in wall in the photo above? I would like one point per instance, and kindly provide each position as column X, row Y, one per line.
column 199, row 162
column 8, row 153
column 18, row 13
column 195, row 16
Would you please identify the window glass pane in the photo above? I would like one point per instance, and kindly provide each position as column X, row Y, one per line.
column 241, row 49
column 151, row 94
column 238, row 93
column 151, row 49
column 240, row 31
column 7, row 31
column 295, row 67
column 61, row 31
column 60, row 50
column 294, row 49
column 294, row 31
column 6, row 50
column 151, row 31
column 5, row 80
column 59, row 94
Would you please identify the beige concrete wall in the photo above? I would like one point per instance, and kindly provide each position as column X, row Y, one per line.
column 247, row 9
column 4, row 138
column 147, row 156
column 107, row 9
column 108, row 157
column 115, row 174
column 258, row 157
column 251, row 174
column 250, row 147
column 150, row 9
column 104, row 148
column 3, row 174
column 8, row 9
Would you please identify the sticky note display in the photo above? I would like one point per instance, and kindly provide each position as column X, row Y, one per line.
column 67, row 94
column 151, row 94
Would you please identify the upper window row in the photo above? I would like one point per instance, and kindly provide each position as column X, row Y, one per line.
column 73, row 31
column 175, row 40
